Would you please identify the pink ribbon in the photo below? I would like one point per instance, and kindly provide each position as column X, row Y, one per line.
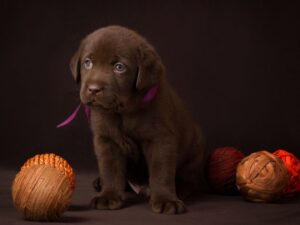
column 149, row 96
column 87, row 111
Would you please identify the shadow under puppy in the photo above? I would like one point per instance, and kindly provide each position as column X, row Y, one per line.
column 142, row 131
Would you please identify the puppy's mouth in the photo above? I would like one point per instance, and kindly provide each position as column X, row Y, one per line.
column 107, row 106
column 93, row 103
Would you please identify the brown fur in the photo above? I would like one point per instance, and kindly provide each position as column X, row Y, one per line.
column 157, row 142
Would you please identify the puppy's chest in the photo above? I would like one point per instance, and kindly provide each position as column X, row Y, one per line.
column 130, row 127
column 132, row 137
column 126, row 131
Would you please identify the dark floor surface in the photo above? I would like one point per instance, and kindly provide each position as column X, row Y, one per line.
column 205, row 210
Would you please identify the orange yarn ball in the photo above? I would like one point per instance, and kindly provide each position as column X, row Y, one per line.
column 55, row 161
column 43, row 188
column 292, row 163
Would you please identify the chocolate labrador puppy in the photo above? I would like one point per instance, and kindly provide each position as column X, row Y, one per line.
column 142, row 131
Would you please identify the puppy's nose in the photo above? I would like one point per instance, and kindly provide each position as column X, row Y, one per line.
column 94, row 89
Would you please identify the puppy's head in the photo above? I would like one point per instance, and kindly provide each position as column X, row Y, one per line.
column 115, row 67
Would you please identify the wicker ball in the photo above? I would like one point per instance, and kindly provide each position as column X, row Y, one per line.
column 43, row 188
column 221, row 169
column 262, row 177
column 55, row 161
column 292, row 163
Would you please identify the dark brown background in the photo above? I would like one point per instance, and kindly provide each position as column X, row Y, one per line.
column 236, row 65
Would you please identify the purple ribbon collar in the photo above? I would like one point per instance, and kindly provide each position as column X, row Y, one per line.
column 148, row 97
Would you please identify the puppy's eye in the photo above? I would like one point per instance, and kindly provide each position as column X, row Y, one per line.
column 119, row 67
column 88, row 64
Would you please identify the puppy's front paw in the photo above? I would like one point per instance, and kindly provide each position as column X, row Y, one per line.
column 107, row 201
column 167, row 206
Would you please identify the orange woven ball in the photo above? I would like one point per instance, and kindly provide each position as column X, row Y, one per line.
column 262, row 177
column 292, row 163
column 55, row 161
column 43, row 188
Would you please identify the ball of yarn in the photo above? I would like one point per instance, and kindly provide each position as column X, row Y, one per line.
column 43, row 188
column 292, row 163
column 262, row 177
column 221, row 169
column 55, row 161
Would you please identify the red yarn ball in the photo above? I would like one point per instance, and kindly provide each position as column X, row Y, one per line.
column 221, row 169
column 292, row 163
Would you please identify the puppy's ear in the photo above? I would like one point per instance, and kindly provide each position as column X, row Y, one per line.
column 75, row 66
column 150, row 68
